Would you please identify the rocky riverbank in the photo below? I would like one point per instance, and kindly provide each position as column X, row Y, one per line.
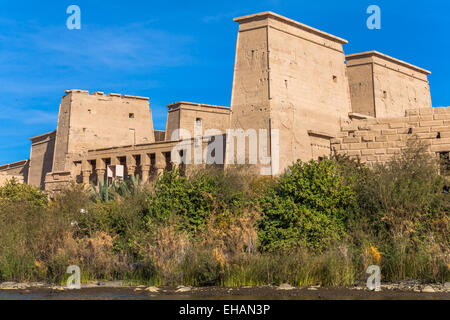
column 408, row 289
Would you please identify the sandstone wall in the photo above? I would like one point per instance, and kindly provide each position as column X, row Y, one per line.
column 172, row 123
column 41, row 158
column 382, row 86
column 58, row 181
column 289, row 77
column 377, row 140
column 185, row 114
column 4, row 178
column 62, row 134
column 98, row 121
column 17, row 169
column 250, row 92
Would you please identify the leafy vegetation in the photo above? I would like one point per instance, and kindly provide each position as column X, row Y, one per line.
column 307, row 207
column 318, row 223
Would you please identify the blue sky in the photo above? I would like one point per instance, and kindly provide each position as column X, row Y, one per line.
column 177, row 51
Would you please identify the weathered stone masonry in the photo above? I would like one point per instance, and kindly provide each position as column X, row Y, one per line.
column 376, row 140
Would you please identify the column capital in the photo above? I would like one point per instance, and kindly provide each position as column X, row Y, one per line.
column 86, row 165
column 86, row 174
column 160, row 161
column 100, row 163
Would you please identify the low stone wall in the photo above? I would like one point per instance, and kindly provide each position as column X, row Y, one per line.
column 57, row 181
column 4, row 178
column 376, row 140
column 18, row 169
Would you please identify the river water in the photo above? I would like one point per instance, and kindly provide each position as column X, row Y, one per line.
column 216, row 294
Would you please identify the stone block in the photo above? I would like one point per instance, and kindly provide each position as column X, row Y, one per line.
column 381, row 138
column 357, row 146
column 367, row 138
column 441, row 116
column 412, row 112
column 445, row 134
column 440, row 148
column 440, row 129
column 432, row 123
column 354, row 153
column 380, row 151
column 440, row 110
column 440, row 141
column 397, row 125
column 403, row 131
column 351, row 140
column 374, row 145
column 366, row 152
column 420, row 130
column 336, row 141
column 425, row 111
column 426, row 135
column 379, row 126
column 428, row 117
column 394, row 137
column 385, row 158
column 388, row 131
column 393, row 150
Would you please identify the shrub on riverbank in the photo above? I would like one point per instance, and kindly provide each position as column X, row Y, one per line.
column 307, row 207
column 318, row 223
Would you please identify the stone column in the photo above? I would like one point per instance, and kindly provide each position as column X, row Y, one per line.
column 131, row 165
column 145, row 167
column 160, row 163
column 100, row 176
column 100, row 170
column 86, row 170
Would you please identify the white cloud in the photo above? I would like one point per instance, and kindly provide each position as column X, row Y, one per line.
column 50, row 57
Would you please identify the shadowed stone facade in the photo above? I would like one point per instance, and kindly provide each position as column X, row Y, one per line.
column 288, row 77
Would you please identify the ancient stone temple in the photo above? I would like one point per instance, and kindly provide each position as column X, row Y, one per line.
column 295, row 95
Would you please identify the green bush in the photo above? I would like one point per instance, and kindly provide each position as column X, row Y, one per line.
column 306, row 207
column 15, row 192
column 192, row 200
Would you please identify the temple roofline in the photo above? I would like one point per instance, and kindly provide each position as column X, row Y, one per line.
column 378, row 54
column 270, row 14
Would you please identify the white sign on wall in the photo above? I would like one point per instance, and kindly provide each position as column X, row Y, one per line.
column 115, row 171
